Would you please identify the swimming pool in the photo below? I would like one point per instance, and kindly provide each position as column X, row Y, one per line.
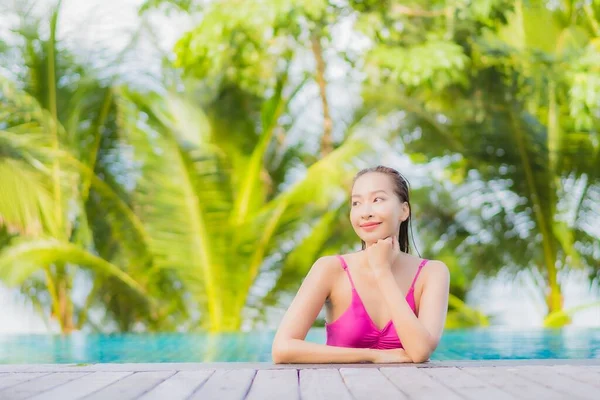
column 477, row 344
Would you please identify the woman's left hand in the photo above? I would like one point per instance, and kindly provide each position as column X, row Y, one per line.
column 382, row 254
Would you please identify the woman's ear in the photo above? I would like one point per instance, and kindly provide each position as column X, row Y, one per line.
column 405, row 212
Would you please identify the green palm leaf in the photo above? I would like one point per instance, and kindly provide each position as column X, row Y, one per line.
column 23, row 258
column 185, row 194
column 26, row 199
column 181, row 206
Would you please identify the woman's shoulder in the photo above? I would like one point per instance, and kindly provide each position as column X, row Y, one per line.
column 355, row 256
column 430, row 268
column 330, row 265
column 436, row 268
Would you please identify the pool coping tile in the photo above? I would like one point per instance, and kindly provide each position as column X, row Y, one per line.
column 266, row 365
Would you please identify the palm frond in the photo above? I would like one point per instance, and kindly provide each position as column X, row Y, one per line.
column 25, row 200
column 25, row 257
column 297, row 262
column 179, row 197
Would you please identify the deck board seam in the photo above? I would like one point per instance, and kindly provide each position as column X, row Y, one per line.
column 250, row 385
column 201, row 385
column 497, row 386
column 298, row 391
column 450, row 388
column 345, row 384
column 108, row 384
column 575, row 377
column 408, row 396
column 27, row 380
column 552, row 388
column 49, row 388
column 63, row 383
column 175, row 372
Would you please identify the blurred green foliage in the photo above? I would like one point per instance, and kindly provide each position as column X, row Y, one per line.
column 202, row 204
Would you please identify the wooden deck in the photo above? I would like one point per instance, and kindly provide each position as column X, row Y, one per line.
column 531, row 379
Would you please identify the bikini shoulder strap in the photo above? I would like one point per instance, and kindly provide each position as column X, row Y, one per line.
column 345, row 266
column 412, row 286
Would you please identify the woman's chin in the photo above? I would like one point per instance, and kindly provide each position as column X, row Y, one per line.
column 369, row 239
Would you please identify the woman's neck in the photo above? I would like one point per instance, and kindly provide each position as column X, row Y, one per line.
column 400, row 259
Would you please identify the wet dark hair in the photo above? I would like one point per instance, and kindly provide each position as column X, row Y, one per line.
column 401, row 188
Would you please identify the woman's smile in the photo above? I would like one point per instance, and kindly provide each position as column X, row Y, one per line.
column 370, row 226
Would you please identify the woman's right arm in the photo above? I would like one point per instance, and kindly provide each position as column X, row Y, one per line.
column 289, row 345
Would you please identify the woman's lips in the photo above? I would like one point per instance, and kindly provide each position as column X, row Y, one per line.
column 370, row 227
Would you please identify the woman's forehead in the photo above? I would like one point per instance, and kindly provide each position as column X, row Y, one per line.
column 371, row 182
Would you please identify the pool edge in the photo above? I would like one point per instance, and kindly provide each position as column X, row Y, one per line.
column 266, row 365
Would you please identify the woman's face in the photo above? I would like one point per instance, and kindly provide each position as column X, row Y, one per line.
column 376, row 212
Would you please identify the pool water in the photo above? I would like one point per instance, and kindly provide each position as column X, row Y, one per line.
column 476, row 344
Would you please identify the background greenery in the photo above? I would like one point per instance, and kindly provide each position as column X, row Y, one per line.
column 199, row 201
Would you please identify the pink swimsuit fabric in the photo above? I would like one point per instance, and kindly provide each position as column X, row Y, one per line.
column 355, row 328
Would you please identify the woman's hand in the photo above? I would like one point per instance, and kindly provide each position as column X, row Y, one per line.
column 382, row 254
column 390, row 356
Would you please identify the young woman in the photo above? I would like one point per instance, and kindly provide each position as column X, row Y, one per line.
column 383, row 304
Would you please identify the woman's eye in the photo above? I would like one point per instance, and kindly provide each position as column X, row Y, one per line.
column 354, row 203
column 378, row 198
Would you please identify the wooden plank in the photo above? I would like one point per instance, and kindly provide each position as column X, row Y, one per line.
column 518, row 386
column 548, row 377
column 179, row 386
column 143, row 367
column 132, row 386
column 83, row 386
column 587, row 375
column 575, row 381
column 465, row 385
column 39, row 385
column 322, row 384
column 10, row 379
column 369, row 384
column 275, row 384
column 226, row 385
column 192, row 366
column 47, row 368
column 15, row 368
column 417, row 384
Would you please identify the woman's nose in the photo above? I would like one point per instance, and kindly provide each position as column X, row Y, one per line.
column 366, row 211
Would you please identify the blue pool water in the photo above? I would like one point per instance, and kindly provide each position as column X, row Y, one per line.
column 478, row 344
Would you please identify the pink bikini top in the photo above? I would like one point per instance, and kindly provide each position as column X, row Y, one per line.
column 355, row 328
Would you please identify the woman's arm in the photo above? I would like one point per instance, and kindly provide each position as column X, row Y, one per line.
column 298, row 351
column 420, row 336
column 289, row 345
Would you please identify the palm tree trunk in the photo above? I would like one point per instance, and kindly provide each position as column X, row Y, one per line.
column 52, row 108
column 64, row 301
column 555, row 296
column 326, row 140
column 52, row 290
column 553, row 127
column 232, row 322
column 554, row 299
column 64, row 305
column 543, row 221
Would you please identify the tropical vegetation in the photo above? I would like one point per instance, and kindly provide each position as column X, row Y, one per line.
column 199, row 202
